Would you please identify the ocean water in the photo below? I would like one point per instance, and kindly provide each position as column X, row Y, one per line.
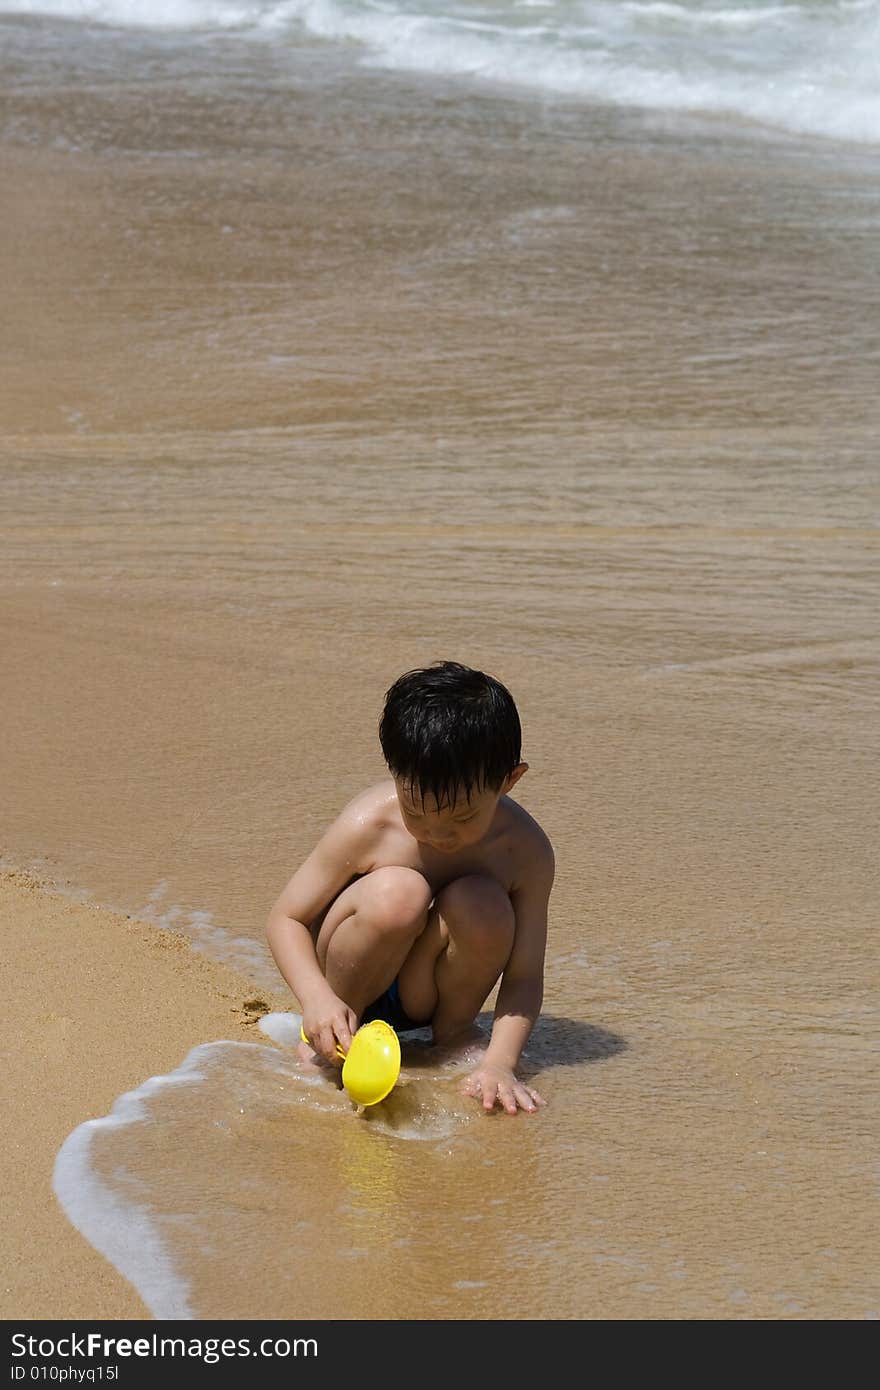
column 340, row 339
column 802, row 65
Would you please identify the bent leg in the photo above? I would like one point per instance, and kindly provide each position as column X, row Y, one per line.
column 368, row 932
column 457, row 959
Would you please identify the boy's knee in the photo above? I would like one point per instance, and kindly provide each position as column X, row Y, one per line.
column 396, row 898
column 478, row 912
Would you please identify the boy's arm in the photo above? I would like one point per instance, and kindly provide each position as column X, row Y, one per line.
column 521, row 991
column 342, row 852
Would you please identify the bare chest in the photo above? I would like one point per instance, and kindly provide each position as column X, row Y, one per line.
column 495, row 858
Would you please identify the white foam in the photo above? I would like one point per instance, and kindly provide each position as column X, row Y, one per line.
column 142, row 14
column 245, row 954
column 742, row 17
column 125, row 1233
column 802, row 67
column 281, row 1028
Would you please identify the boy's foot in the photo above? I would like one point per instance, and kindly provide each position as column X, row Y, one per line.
column 313, row 1063
column 309, row 1059
column 467, row 1040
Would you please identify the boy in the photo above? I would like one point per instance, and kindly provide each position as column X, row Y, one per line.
column 428, row 887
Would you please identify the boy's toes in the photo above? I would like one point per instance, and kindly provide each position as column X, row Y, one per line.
column 308, row 1058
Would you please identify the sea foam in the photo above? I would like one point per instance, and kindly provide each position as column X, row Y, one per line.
column 125, row 1232
column 806, row 68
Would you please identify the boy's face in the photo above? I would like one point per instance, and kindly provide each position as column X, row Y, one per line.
column 452, row 826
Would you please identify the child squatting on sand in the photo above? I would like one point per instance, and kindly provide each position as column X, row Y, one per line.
column 427, row 888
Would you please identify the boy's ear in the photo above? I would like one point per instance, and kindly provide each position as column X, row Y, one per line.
column 513, row 777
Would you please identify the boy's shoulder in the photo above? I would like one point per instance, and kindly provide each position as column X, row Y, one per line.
column 533, row 845
column 354, row 836
column 375, row 805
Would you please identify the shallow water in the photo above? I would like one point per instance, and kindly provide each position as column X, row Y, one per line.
column 311, row 380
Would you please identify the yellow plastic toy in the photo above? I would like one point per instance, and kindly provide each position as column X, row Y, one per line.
column 372, row 1065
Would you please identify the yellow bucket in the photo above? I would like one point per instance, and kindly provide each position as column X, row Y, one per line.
column 372, row 1065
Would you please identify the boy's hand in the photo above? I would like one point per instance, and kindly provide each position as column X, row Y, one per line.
column 327, row 1022
column 491, row 1083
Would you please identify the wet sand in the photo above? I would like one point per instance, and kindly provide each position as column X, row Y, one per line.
column 306, row 386
column 95, row 1004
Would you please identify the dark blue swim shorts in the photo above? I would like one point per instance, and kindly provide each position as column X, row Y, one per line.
column 389, row 1008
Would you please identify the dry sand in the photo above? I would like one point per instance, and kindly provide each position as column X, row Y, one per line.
column 96, row 1003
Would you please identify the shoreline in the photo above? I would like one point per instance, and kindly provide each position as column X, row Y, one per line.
column 98, row 1002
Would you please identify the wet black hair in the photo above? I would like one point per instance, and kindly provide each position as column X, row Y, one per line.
column 447, row 729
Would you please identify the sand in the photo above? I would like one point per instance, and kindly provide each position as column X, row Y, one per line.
column 97, row 1003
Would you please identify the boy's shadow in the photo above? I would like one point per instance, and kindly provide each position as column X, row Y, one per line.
column 555, row 1041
